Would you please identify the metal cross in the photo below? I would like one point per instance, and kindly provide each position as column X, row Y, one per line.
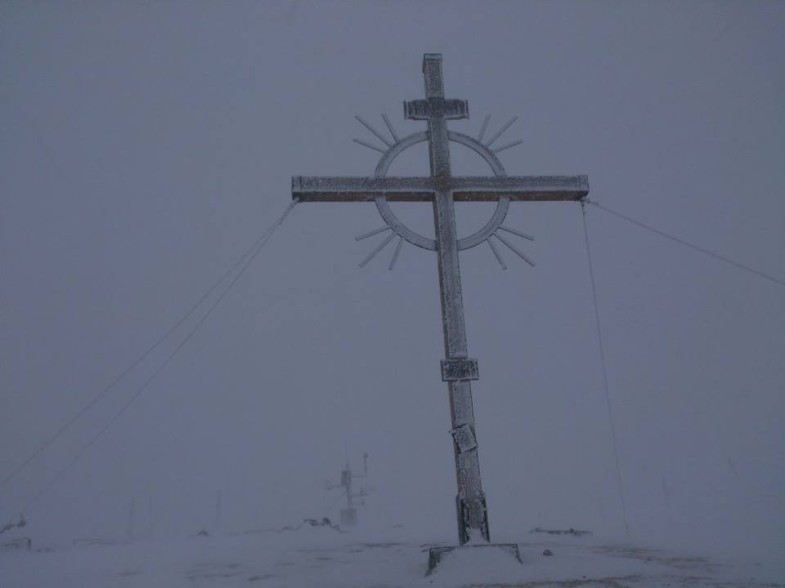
column 443, row 189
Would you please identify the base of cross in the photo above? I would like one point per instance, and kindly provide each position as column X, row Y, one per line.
column 435, row 554
column 472, row 513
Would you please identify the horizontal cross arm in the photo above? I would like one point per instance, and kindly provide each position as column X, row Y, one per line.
column 520, row 188
column 421, row 189
column 353, row 189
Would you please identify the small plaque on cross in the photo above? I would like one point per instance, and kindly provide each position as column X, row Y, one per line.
column 459, row 368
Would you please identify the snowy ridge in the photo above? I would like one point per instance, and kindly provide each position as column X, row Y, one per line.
column 318, row 557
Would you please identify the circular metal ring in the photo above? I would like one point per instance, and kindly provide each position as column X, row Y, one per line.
column 415, row 238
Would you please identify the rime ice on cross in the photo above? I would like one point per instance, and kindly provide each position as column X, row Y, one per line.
column 442, row 189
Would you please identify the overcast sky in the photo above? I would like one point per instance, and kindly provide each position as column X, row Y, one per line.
column 145, row 146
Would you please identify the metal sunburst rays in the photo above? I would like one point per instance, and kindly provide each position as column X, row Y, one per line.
column 393, row 140
column 497, row 135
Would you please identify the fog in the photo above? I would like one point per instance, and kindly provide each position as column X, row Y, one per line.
column 145, row 146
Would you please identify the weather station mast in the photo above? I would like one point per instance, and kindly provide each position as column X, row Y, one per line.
column 442, row 190
column 349, row 512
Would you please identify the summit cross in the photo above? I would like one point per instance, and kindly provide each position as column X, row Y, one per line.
column 443, row 190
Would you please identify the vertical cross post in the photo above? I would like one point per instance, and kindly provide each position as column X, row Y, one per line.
column 457, row 369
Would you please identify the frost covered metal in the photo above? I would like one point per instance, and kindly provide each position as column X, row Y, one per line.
column 416, row 189
column 464, row 437
column 442, row 189
column 460, row 369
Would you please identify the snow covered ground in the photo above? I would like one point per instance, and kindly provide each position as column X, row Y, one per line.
column 324, row 557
